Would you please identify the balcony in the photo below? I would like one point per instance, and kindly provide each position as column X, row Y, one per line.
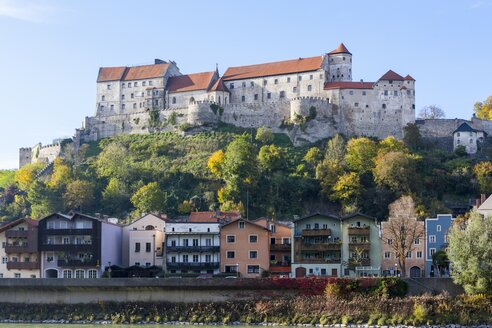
column 360, row 262
column 67, row 232
column 360, row 246
column 22, row 265
column 193, row 249
column 359, row 231
column 318, row 260
column 77, row 263
column 321, row 247
column 192, row 265
column 67, row 247
column 16, row 233
column 316, row 232
column 22, row 248
column 280, row 247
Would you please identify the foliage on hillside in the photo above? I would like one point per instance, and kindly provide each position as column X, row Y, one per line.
column 259, row 174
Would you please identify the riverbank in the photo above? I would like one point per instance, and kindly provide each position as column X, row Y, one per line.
column 289, row 311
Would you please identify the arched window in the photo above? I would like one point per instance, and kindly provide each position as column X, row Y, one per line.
column 192, row 100
column 79, row 274
column 149, row 227
column 219, row 99
column 67, row 274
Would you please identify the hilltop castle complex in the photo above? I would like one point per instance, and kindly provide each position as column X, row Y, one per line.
column 307, row 98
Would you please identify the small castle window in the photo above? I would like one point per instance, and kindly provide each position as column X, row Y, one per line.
column 122, row 106
column 409, row 92
column 265, row 82
column 351, row 92
column 343, row 58
column 112, row 107
column 395, row 93
column 135, row 84
column 276, row 81
column 231, row 86
column 321, row 76
column 413, row 106
column 294, row 89
column 122, row 85
column 300, row 78
column 243, row 98
column 144, row 83
column 174, row 100
column 102, row 107
column 311, row 76
column 122, row 97
column 134, row 105
column 108, row 86
column 458, row 134
column 156, row 102
column 384, row 106
column 331, row 59
column 288, row 80
column 282, row 94
column 458, row 141
column 356, row 104
column 132, row 95
column 150, row 83
column 269, row 95
column 142, row 94
column 309, row 87
column 129, row 84
column 252, row 84
column 244, row 84
column 364, row 93
column 256, row 96
column 367, row 106
column 333, row 76
column 385, row 92
column 140, row 105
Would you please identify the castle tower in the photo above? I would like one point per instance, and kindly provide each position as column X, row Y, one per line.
column 340, row 64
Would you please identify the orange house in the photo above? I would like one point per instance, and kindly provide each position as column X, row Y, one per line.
column 280, row 245
column 244, row 248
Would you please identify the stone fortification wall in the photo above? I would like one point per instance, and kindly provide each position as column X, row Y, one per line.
column 256, row 114
column 439, row 131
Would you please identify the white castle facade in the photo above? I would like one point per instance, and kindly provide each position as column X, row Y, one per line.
column 307, row 98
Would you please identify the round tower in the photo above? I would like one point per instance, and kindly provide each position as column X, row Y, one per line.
column 340, row 64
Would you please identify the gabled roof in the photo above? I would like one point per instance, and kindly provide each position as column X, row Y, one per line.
column 213, row 217
column 275, row 68
column 391, row 75
column 348, row 85
column 11, row 224
column 341, row 49
column 486, row 205
column 408, row 78
column 247, row 221
column 190, row 82
column 358, row 214
column 123, row 73
column 464, row 127
column 107, row 74
column 219, row 86
column 150, row 214
column 318, row 214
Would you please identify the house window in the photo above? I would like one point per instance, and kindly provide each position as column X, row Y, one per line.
column 137, row 247
column 92, row 274
column 387, row 255
column 129, row 84
column 256, row 96
column 253, row 254
column 243, row 98
column 195, row 242
column 132, row 95
column 417, row 241
column 385, row 92
column 67, row 274
column 241, row 224
column 390, row 241
column 123, row 85
column 231, row 239
column 135, row 84
column 185, row 242
column 409, row 93
column 413, row 106
column 112, row 107
column 150, row 82
column 4, row 244
column 310, row 87
column 321, row 76
column 231, row 254
column 147, row 247
column 17, row 275
column 208, row 242
column 122, row 97
column 231, row 86
column 308, row 226
column 384, row 106
column 208, row 258
column 438, row 227
column 432, row 239
column 173, row 243
column 185, row 258
column 282, row 94
column 409, row 255
column 137, row 263
column 471, row 141
column 364, row 93
column 286, row 241
column 173, row 259
column 195, row 258
column 276, row 81
column 264, row 82
column 244, row 84
column 299, row 78
column 144, row 83
column 253, row 239
column 356, row 104
column 79, row 274
column 108, row 86
column 4, row 260
column 269, row 95
column 134, row 105
column 253, row 269
column 432, row 251
column 273, row 228
column 419, row 254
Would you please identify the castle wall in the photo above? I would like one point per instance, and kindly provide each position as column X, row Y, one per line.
column 183, row 99
column 248, row 115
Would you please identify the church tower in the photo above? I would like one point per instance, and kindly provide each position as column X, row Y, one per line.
column 340, row 64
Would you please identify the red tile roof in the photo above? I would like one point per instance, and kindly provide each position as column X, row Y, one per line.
column 348, row 85
column 190, row 82
column 341, row 49
column 409, row 78
column 219, row 86
column 212, row 217
column 145, row 72
column 390, row 75
column 275, row 68
column 107, row 74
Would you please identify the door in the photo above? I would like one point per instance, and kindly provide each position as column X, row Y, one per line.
column 334, row 272
column 300, row 272
column 415, row 272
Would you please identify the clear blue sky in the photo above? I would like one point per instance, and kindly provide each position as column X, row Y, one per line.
column 51, row 50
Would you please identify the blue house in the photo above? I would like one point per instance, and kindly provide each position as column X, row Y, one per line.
column 436, row 235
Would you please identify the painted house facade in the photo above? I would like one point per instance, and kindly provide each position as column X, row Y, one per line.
column 143, row 242
column 245, row 248
column 436, row 233
column 192, row 247
column 19, row 252
column 280, row 246
column 77, row 245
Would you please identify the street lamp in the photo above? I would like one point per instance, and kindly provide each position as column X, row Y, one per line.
column 396, row 269
column 237, row 270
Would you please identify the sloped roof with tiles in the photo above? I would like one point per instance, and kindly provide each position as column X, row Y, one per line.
column 348, row 85
column 190, row 82
column 107, row 74
column 391, row 75
column 219, row 86
column 341, row 49
column 123, row 73
column 275, row 68
column 408, row 78
column 212, row 217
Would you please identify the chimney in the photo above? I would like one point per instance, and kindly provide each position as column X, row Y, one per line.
column 159, row 61
column 97, row 215
column 361, row 81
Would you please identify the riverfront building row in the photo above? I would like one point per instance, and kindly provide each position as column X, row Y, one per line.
column 80, row 246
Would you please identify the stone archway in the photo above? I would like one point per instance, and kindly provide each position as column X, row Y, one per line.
column 300, row 272
column 415, row 272
column 51, row 273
